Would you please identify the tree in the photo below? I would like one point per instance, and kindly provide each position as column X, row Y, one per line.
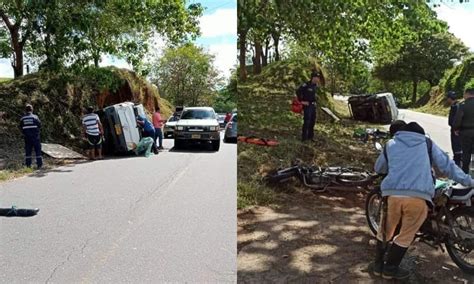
column 16, row 29
column 186, row 75
column 423, row 60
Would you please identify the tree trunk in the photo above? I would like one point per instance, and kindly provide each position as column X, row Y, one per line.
column 96, row 57
column 276, row 42
column 242, row 55
column 265, row 54
column 257, row 67
column 17, row 52
column 415, row 89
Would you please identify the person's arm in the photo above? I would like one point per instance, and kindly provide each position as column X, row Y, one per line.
column 101, row 128
column 38, row 122
column 381, row 165
column 21, row 126
column 458, row 118
column 447, row 166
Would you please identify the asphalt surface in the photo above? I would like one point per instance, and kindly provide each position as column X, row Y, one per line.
column 167, row 218
column 435, row 126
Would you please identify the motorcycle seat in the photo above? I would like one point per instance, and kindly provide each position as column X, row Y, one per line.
column 460, row 192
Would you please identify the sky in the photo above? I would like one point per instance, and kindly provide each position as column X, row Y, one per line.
column 219, row 31
column 459, row 18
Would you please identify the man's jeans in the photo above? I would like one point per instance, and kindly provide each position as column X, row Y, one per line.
column 159, row 135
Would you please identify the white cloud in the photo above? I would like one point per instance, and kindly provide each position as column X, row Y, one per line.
column 458, row 19
column 226, row 57
column 6, row 70
column 220, row 23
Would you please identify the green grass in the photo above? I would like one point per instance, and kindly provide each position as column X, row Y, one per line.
column 433, row 109
column 14, row 173
column 5, row 79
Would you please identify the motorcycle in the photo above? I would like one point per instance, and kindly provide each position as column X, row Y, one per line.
column 450, row 221
column 319, row 178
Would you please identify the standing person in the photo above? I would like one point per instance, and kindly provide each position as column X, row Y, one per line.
column 464, row 127
column 148, row 130
column 227, row 118
column 30, row 126
column 93, row 131
column 307, row 96
column 455, row 139
column 158, row 124
column 408, row 187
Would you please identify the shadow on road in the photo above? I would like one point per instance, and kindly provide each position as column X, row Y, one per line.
column 204, row 149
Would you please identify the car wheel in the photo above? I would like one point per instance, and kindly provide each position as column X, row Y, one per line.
column 178, row 144
column 216, row 145
column 226, row 140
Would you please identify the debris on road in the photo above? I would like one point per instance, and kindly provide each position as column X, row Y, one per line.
column 18, row 212
column 331, row 114
column 57, row 151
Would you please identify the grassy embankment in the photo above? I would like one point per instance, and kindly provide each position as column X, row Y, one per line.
column 264, row 102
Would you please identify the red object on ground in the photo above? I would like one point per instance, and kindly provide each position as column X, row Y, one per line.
column 258, row 141
column 296, row 106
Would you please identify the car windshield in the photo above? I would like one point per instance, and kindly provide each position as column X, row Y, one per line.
column 198, row 114
column 234, row 119
column 173, row 118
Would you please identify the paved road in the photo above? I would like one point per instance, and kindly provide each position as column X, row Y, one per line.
column 170, row 217
column 436, row 126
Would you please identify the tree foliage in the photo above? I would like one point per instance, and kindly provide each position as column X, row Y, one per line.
column 424, row 60
column 63, row 32
column 186, row 75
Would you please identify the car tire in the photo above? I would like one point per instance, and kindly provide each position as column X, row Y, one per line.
column 178, row 144
column 216, row 144
column 226, row 140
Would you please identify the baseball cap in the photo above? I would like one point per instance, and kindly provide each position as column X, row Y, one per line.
column 451, row 95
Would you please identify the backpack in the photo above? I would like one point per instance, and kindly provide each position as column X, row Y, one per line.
column 429, row 145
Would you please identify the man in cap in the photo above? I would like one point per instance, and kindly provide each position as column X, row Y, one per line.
column 455, row 139
column 30, row 126
column 307, row 96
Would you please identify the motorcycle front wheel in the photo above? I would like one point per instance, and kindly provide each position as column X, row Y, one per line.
column 462, row 251
column 373, row 209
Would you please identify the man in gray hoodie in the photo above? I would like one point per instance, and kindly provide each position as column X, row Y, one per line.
column 408, row 187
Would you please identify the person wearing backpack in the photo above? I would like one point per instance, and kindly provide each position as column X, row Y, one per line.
column 455, row 139
column 408, row 187
column 306, row 94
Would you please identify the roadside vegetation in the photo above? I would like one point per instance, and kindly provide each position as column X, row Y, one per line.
column 267, row 99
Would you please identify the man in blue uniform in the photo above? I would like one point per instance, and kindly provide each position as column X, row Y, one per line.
column 455, row 139
column 307, row 96
column 30, row 126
